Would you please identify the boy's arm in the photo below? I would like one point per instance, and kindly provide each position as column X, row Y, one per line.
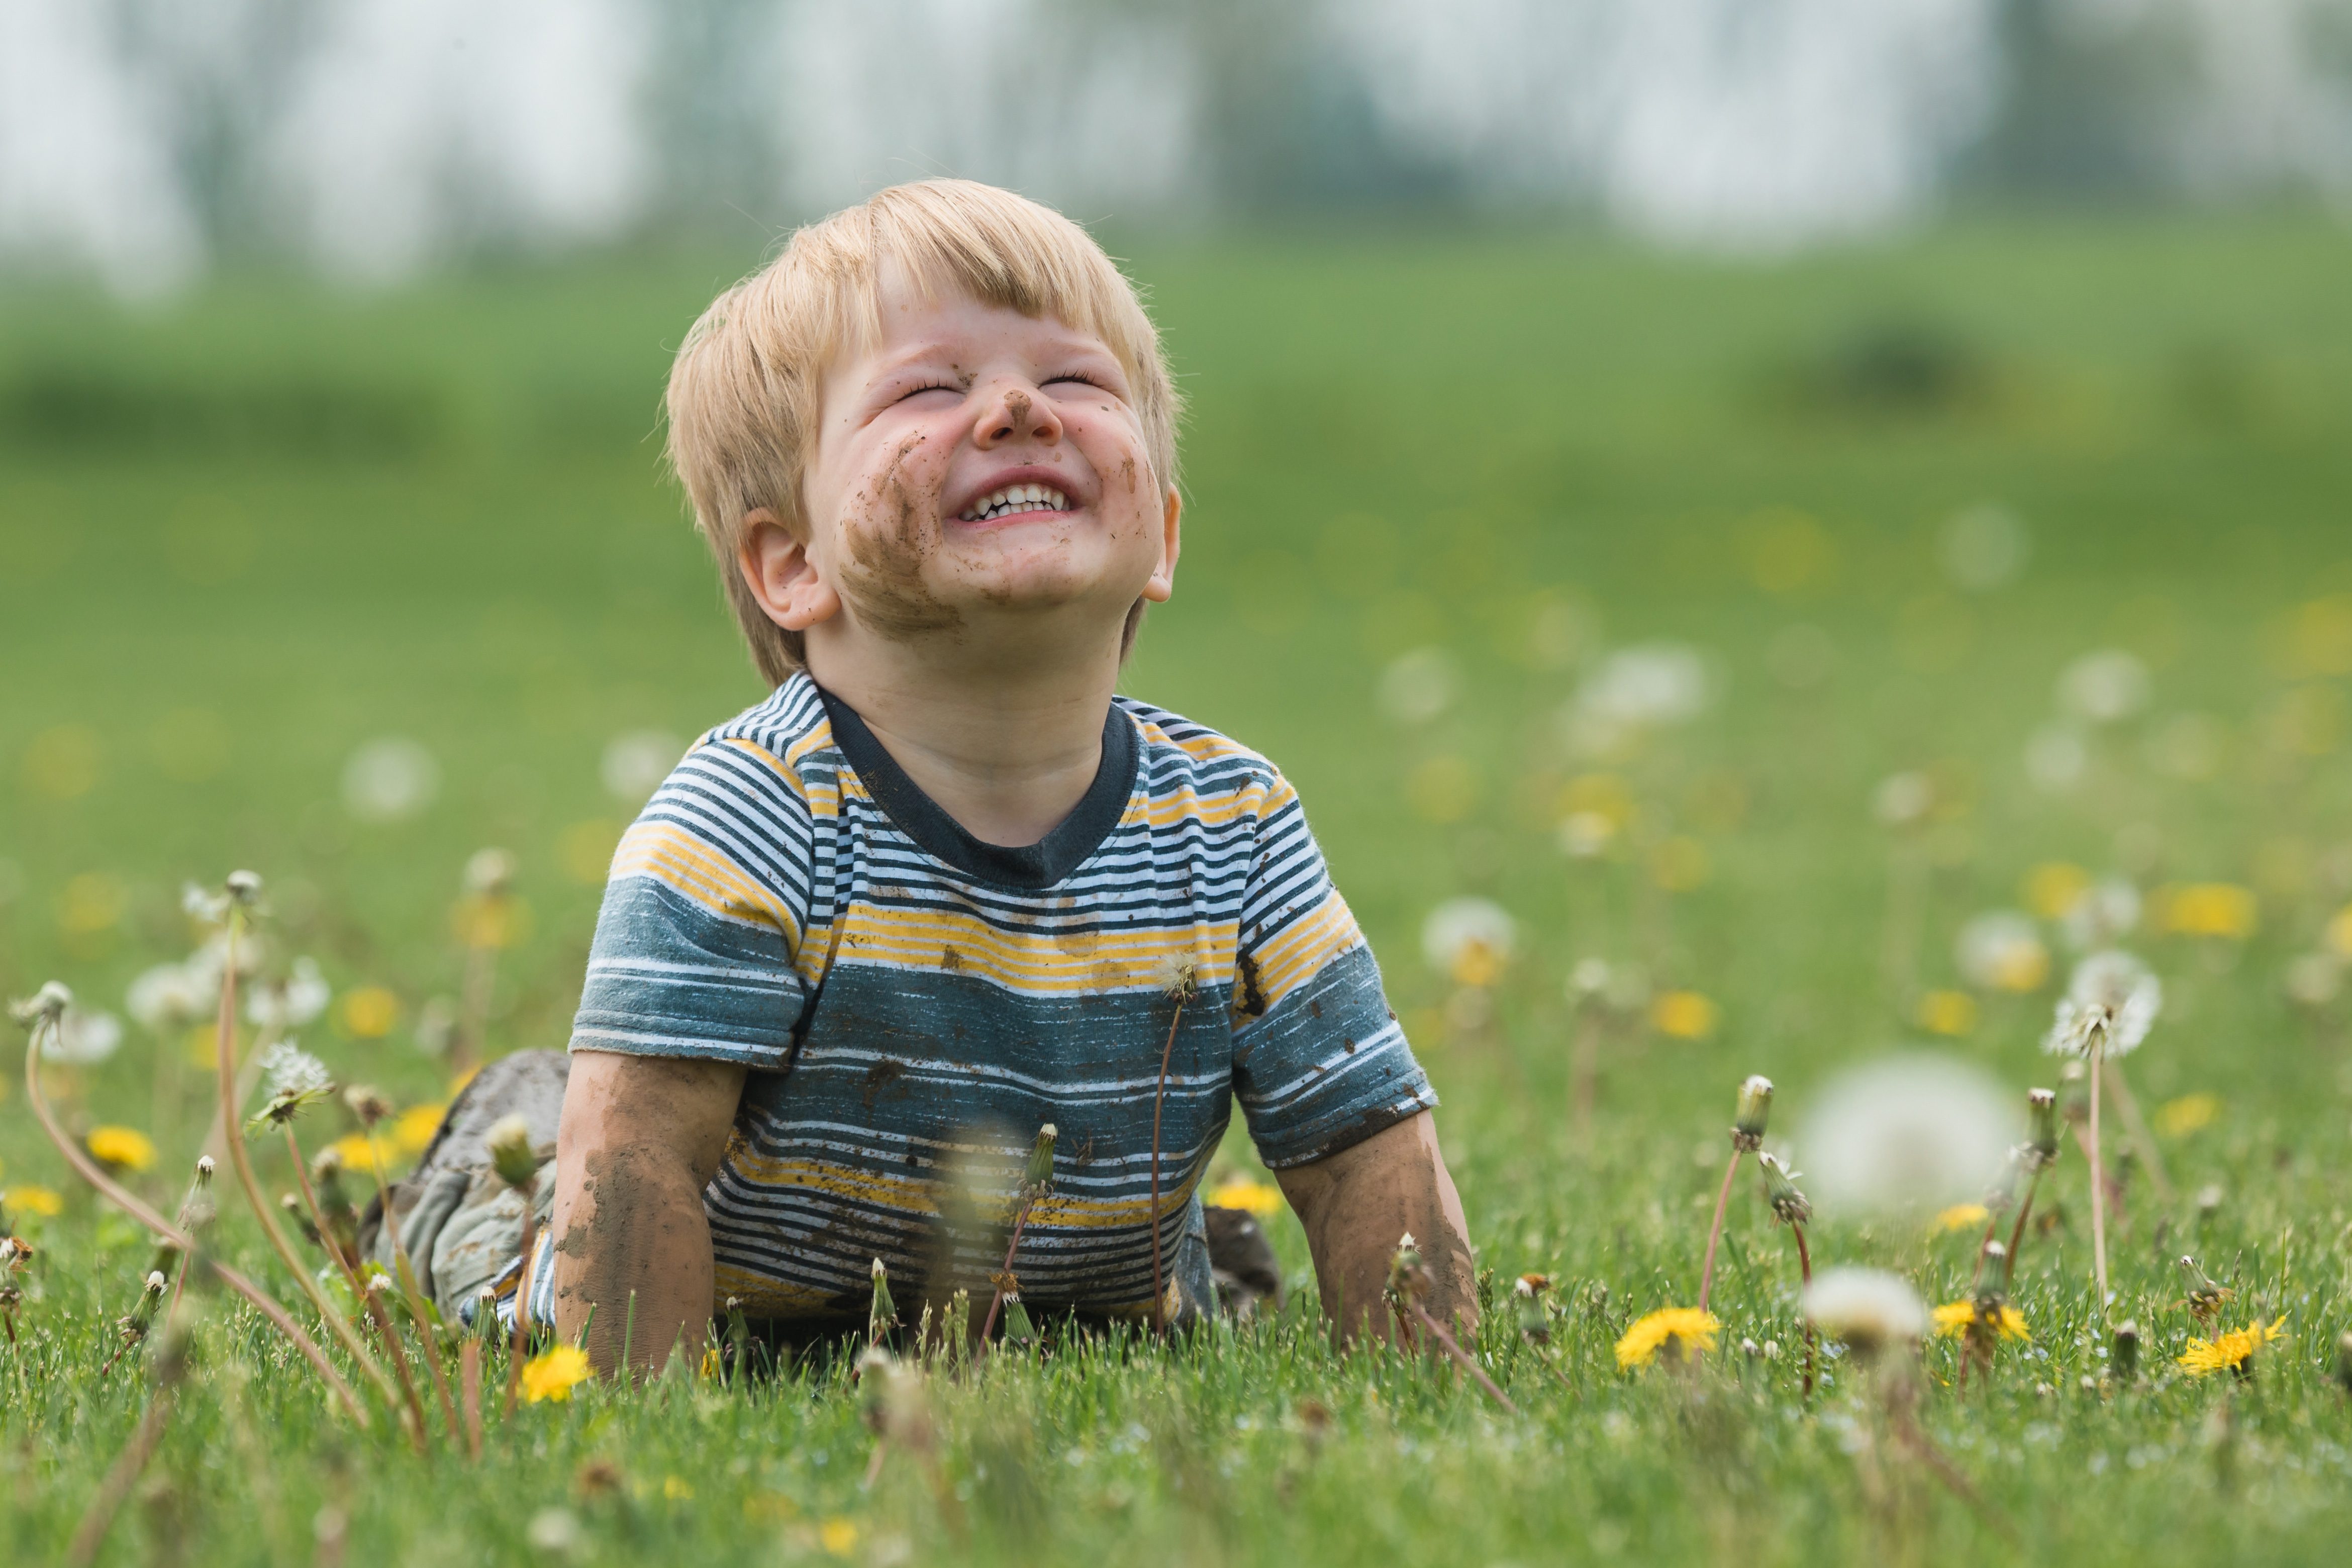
column 641, row 1137
column 1355, row 1203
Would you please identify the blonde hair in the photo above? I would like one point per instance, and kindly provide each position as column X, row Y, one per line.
column 743, row 393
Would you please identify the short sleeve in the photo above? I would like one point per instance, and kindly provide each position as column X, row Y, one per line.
column 1319, row 1060
column 695, row 947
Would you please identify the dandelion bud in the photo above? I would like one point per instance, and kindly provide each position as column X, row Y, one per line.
column 1041, row 1159
column 1755, row 1108
column 510, row 1151
column 243, row 887
column 1407, row 1280
column 1018, row 1329
column 2124, row 1355
column 2344, row 1361
column 2041, row 1109
column 884, row 1315
column 368, row 1103
column 2208, row 1201
column 203, row 1170
column 489, row 873
column 485, row 1320
column 1789, row 1206
column 301, row 1218
column 46, row 1005
column 1526, row 1298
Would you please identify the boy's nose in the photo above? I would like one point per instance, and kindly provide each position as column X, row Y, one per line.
column 1015, row 412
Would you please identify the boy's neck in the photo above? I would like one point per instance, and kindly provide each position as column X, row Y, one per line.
column 1007, row 748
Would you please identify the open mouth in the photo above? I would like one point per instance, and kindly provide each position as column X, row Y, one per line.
column 1013, row 500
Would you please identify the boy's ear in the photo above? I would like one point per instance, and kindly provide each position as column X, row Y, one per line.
column 1161, row 586
column 780, row 574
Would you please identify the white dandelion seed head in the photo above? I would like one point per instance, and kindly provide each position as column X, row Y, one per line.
column 2001, row 949
column 1589, row 978
column 491, row 872
column 1905, row 1133
column 287, row 1068
column 167, row 998
column 1454, row 925
column 1586, row 835
column 203, row 905
column 2315, row 979
column 636, row 762
column 1902, row 800
column 389, row 779
column 2107, row 911
column 302, row 996
column 2112, row 1001
column 82, row 1038
column 1866, row 1307
column 554, row 1531
column 2104, row 687
column 1418, row 687
column 205, row 965
column 2056, row 758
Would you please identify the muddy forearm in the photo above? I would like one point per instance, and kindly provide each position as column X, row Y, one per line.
column 1356, row 1205
column 639, row 1142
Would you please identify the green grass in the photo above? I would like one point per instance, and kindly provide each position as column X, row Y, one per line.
column 242, row 535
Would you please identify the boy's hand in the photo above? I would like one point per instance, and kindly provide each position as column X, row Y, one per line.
column 641, row 1137
column 1355, row 1203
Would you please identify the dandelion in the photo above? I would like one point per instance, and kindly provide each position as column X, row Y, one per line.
column 2315, row 979
column 1949, row 1013
column 389, row 779
column 368, row 1012
column 2205, row 1297
column 1956, row 1318
column 637, row 761
column 883, row 1315
column 1469, row 940
column 1867, row 1309
column 1684, row 1015
column 1792, row 1209
column 516, row 1160
column 2232, row 1352
column 1917, row 1131
column 34, row 1199
column 2110, row 1005
column 2124, row 1354
column 291, row 1003
column 1527, row 1303
column 2106, row 912
column 164, row 1000
column 2208, row 909
column 553, row 1374
column 1753, row 1109
column 82, row 1038
column 2053, row 888
column 2189, row 1113
column 1036, row 1180
column 1960, row 1217
column 1685, row 1334
column 123, row 1148
column 2001, row 951
column 2104, row 687
column 1261, row 1200
column 1419, row 685
column 1633, row 691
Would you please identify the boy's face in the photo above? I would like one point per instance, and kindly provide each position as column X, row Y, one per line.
column 973, row 471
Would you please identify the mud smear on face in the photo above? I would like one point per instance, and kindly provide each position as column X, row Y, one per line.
column 882, row 578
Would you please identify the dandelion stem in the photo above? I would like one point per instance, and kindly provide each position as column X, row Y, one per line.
column 404, row 1275
column 470, row 1385
column 318, row 1216
column 395, row 1350
column 1461, row 1357
column 1805, row 1272
column 1159, row 1297
column 225, row 1042
column 121, row 1198
column 2098, row 1183
column 529, row 1192
column 2016, row 1235
column 1714, row 1234
column 119, row 1478
column 2127, row 1106
column 1020, row 1224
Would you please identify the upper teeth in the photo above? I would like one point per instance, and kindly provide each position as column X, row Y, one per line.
column 1018, row 498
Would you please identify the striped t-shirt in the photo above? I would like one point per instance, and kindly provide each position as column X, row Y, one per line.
column 909, row 998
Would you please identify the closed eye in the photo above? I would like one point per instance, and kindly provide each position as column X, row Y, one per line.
column 1081, row 380
column 928, row 386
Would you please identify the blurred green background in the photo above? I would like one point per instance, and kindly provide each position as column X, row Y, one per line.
column 248, row 532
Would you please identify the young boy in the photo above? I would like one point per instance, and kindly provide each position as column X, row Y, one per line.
column 944, row 885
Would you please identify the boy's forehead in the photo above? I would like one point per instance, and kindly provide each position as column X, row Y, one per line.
column 917, row 319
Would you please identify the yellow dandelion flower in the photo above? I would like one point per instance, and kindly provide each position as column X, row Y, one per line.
column 2339, row 932
column 2207, row 908
column 2189, row 1113
column 1691, row 1329
column 554, row 1374
column 1961, row 1216
column 1684, row 1015
column 1953, row 1318
column 838, row 1536
column 361, row 1152
column 2053, row 889
column 126, row 1148
column 31, row 1199
column 2233, row 1350
column 413, row 1128
column 677, row 1489
column 1260, row 1198
column 1477, row 964
column 1948, row 1013
column 369, row 1012
column 1679, row 864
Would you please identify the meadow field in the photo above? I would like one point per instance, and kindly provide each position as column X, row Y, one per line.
column 1755, row 630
